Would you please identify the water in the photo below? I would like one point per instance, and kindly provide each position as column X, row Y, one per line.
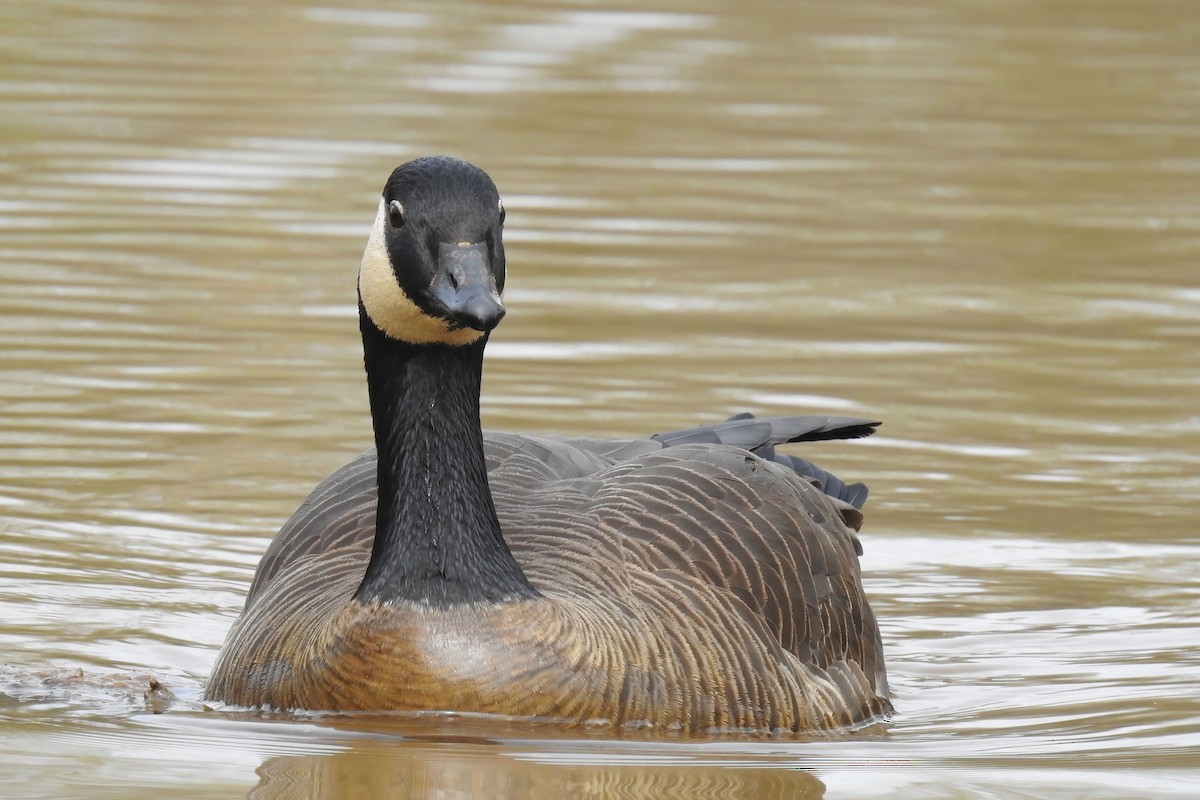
column 977, row 222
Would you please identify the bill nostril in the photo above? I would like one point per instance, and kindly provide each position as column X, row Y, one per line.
column 464, row 287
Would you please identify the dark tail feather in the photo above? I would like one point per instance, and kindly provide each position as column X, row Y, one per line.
column 750, row 433
column 853, row 493
column 761, row 435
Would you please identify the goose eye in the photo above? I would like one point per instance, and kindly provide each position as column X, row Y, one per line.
column 501, row 212
column 396, row 214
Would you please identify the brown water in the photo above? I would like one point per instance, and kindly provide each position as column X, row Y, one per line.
column 979, row 222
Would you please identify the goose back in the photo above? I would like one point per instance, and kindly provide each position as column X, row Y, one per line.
column 684, row 582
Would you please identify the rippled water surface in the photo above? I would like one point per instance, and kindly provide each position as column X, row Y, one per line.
column 979, row 222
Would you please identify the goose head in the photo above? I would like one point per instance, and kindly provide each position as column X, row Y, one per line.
column 433, row 269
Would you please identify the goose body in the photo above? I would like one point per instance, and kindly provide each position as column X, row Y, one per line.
column 697, row 580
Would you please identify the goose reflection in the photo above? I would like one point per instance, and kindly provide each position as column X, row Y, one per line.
column 403, row 769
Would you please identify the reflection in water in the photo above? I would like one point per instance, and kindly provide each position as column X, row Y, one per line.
column 422, row 770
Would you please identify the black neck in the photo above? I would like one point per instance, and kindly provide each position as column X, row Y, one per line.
column 437, row 539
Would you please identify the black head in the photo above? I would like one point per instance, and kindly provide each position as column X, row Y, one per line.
column 433, row 269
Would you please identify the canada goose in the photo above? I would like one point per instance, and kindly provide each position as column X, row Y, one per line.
column 680, row 582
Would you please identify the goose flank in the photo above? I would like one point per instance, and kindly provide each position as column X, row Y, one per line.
column 697, row 580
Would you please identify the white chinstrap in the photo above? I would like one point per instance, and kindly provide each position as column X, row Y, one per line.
column 390, row 308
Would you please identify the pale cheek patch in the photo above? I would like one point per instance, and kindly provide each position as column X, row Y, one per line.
column 393, row 311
